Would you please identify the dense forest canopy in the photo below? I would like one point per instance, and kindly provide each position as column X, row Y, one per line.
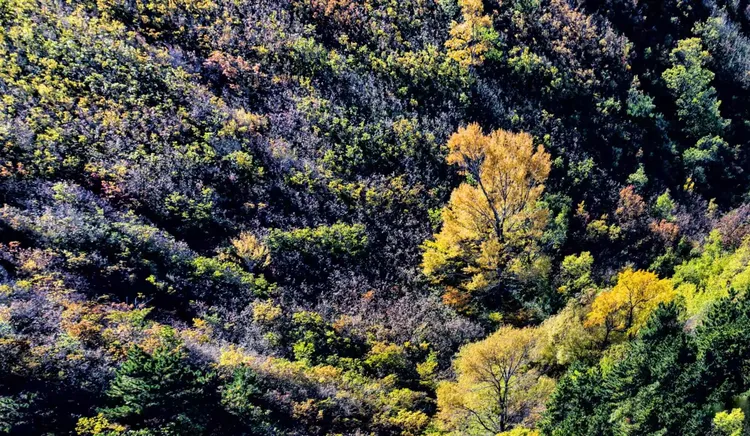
column 374, row 217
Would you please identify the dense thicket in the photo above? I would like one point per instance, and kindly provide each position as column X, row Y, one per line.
column 374, row 216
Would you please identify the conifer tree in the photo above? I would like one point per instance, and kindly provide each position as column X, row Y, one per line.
column 161, row 391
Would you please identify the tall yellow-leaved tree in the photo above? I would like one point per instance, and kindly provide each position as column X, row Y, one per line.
column 497, row 386
column 493, row 221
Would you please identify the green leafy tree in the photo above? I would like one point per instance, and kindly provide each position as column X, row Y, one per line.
column 697, row 102
column 655, row 387
column 666, row 381
column 690, row 81
column 312, row 253
column 578, row 404
column 665, row 206
column 575, row 274
column 316, row 341
column 729, row 423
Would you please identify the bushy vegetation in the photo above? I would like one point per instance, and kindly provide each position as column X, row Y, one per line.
column 324, row 217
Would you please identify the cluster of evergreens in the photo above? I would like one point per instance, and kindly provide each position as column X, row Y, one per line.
column 374, row 217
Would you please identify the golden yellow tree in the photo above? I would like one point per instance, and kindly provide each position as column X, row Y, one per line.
column 492, row 222
column 626, row 307
column 472, row 38
column 497, row 387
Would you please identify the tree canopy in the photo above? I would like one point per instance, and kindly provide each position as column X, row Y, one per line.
column 493, row 222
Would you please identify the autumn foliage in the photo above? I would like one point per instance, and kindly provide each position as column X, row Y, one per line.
column 374, row 217
column 492, row 222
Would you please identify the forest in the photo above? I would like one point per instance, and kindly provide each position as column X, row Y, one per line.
column 375, row 217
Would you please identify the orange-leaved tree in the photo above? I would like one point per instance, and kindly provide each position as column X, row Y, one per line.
column 493, row 221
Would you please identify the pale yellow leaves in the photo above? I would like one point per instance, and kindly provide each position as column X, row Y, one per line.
column 251, row 250
column 497, row 386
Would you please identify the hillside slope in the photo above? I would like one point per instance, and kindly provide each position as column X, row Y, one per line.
column 288, row 217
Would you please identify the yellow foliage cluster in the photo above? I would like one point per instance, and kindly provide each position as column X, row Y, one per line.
column 157, row 15
column 251, row 250
column 266, row 312
column 83, row 322
column 494, row 217
column 565, row 339
column 470, row 39
column 729, row 423
column 200, row 333
column 395, row 407
column 98, row 425
column 497, row 386
column 115, row 326
column 233, row 357
column 627, row 306
column 520, row 431
column 501, row 386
